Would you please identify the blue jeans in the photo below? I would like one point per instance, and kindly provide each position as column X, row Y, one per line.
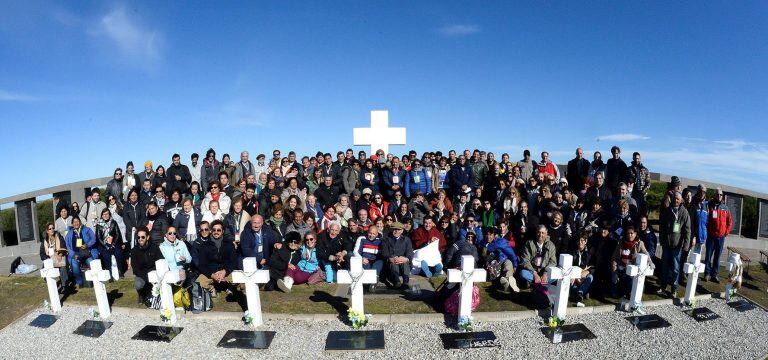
column 377, row 265
column 583, row 288
column 714, row 250
column 429, row 271
column 76, row 263
column 670, row 266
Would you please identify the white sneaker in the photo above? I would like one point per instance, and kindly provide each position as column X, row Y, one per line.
column 285, row 284
column 580, row 304
column 513, row 285
column 504, row 283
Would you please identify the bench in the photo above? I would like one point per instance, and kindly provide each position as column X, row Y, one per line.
column 744, row 257
column 764, row 254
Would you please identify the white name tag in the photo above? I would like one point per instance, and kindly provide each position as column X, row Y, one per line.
column 714, row 214
column 395, row 179
column 416, row 178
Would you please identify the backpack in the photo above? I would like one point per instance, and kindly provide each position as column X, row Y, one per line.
column 15, row 264
column 201, row 298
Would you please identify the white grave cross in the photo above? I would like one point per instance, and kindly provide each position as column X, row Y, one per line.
column 467, row 277
column 251, row 277
column 164, row 277
column 563, row 274
column 692, row 268
column 99, row 277
column 734, row 279
column 638, row 271
column 49, row 273
column 379, row 135
column 356, row 277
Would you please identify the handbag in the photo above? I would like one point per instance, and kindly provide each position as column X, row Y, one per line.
column 316, row 277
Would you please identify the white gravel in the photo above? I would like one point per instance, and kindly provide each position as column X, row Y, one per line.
column 734, row 336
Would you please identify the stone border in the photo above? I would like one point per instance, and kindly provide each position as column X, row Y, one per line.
column 420, row 318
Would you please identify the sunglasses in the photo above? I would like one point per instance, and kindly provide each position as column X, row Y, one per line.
column 217, row 230
column 204, row 229
column 214, row 187
column 50, row 228
column 310, row 238
column 158, row 191
column 170, row 233
column 142, row 237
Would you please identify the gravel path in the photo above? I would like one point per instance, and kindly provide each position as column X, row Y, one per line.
column 733, row 336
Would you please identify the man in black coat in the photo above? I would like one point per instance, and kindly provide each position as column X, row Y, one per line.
column 615, row 170
column 216, row 259
column 397, row 251
column 143, row 257
column 578, row 170
column 178, row 176
column 328, row 193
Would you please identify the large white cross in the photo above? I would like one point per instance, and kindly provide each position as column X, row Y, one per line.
column 379, row 135
column 692, row 268
column 49, row 273
column 99, row 276
column 164, row 277
column 734, row 278
column 467, row 277
column 638, row 271
column 251, row 277
column 563, row 274
column 356, row 277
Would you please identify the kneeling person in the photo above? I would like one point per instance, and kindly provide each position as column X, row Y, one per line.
column 216, row 260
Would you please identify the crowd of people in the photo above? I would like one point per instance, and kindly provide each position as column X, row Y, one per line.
column 304, row 218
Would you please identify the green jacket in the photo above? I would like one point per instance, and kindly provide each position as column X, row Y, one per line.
column 549, row 256
column 667, row 235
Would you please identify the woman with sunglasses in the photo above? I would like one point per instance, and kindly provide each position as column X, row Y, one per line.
column 308, row 264
column 53, row 247
column 175, row 251
column 282, row 260
column 143, row 257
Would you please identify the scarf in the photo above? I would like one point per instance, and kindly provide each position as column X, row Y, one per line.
column 275, row 221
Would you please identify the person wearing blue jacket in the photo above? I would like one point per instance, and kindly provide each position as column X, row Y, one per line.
column 460, row 177
column 81, row 248
column 416, row 180
column 699, row 210
column 472, row 226
column 257, row 241
column 175, row 251
column 649, row 239
column 369, row 177
column 505, row 254
column 393, row 178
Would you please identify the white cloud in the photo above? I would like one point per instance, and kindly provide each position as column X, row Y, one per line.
column 10, row 96
column 459, row 30
column 622, row 137
column 137, row 43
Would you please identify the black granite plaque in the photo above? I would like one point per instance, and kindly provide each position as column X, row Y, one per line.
column 648, row 322
column 355, row 340
column 568, row 333
column 241, row 339
column 742, row 305
column 44, row 321
column 157, row 333
column 24, row 219
column 413, row 290
column 702, row 314
column 735, row 205
column 93, row 328
column 469, row 340
column 762, row 226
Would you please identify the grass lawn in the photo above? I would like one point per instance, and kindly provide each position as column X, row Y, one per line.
column 22, row 294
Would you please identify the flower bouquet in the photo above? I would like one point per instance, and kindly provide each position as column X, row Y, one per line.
column 358, row 319
column 166, row 315
column 465, row 323
column 247, row 318
column 93, row 313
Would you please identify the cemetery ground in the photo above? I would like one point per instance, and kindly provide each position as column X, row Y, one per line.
column 21, row 294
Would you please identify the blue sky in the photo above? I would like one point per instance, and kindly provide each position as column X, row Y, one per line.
column 86, row 86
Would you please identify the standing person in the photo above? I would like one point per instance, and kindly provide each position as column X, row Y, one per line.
column 597, row 166
column 92, row 208
column 460, row 177
column 133, row 215
column 63, row 222
column 675, row 237
column 719, row 225
column 156, row 222
column 115, row 185
column 615, row 170
column 195, row 168
column 187, row 221
column 148, row 173
column 641, row 177
column 243, row 168
column 143, row 257
column 699, row 212
column 578, row 171
column 526, row 165
column 130, row 181
column 547, row 167
column 649, row 239
column 351, row 176
column 210, row 170
column 179, row 177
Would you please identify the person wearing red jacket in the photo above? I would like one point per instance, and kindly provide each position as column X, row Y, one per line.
column 719, row 225
column 425, row 235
